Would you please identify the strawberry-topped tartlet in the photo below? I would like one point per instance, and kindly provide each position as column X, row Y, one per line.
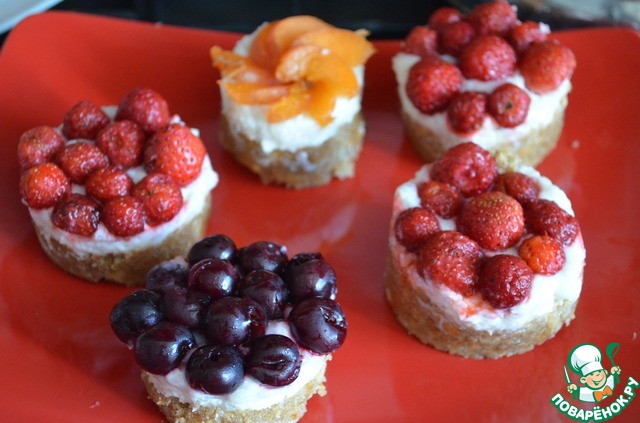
column 485, row 260
column 231, row 334
column 115, row 190
column 291, row 100
column 483, row 77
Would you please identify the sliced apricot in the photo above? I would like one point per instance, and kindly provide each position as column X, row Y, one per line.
column 293, row 104
column 322, row 99
column 254, row 93
column 352, row 47
column 226, row 61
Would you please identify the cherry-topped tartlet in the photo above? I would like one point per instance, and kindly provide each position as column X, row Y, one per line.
column 115, row 190
column 486, row 259
column 231, row 334
column 484, row 77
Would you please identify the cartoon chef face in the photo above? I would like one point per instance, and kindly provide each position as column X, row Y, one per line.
column 585, row 360
column 595, row 380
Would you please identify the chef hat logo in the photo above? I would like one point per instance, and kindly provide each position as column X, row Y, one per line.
column 585, row 359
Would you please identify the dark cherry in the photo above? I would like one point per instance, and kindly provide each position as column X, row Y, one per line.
column 262, row 255
column 266, row 288
column 299, row 259
column 135, row 313
column 273, row 360
column 318, row 324
column 162, row 347
column 216, row 277
column 215, row 246
column 215, row 369
column 313, row 278
column 167, row 275
column 185, row 306
column 234, row 321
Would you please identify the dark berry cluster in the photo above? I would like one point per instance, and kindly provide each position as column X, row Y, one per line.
column 211, row 312
column 93, row 150
column 493, row 212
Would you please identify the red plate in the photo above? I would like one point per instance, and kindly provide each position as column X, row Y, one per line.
column 61, row 361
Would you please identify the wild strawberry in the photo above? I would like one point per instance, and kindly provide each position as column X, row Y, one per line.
column 505, row 281
column 123, row 143
column 546, row 65
column 107, row 183
column 518, row 185
column 487, row 58
column 545, row 217
column 38, row 145
column 466, row 112
column 161, row 197
column 492, row 219
column 79, row 159
column 440, row 198
column 524, row 35
column 508, row 105
column 431, row 84
column 466, row 166
column 84, row 120
column 413, row 226
column 176, row 152
column 123, row 216
column 494, row 18
column 77, row 214
column 452, row 259
column 454, row 36
column 543, row 254
column 421, row 41
column 145, row 107
column 443, row 16
column 43, row 185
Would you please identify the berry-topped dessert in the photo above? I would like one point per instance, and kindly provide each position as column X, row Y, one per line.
column 291, row 96
column 486, row 259
column 233, row 334
column 483, row 77
column 115, row 190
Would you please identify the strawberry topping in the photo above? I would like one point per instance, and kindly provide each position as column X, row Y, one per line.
column 123, row 143
column 487, row 58
column 43, row 185
column 524, row 35
column 466, row 166
column 453, row 37
column 505, row 280
column 443, row 16
column 545, row 217
column 79, row 159
column 77, row 214
column 440, row 198
column 38, row 145
column 432, row 83
column 546, row 65
column 84, row 120
column 508, row 105
column 517, row 185
column 124, row 216
column 543, row 254
column 107, row 183
column 421, row 41
column 466, row 112
column 145, row 107
column 413, row 226
column 161, row 197
column 494, row 18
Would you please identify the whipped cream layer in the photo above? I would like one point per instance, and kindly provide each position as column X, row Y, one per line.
column 542, row 108
column 251, row 394
column 474, row 312
column 293, row 134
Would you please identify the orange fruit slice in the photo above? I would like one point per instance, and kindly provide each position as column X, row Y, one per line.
column 254, row 93
column 352, row 47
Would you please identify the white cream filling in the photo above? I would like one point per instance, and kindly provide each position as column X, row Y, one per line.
column 474, row 312
column 251, row 394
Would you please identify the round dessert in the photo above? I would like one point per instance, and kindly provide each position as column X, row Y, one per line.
column 483, row 77
column 291, row 97
column 233, row 334
column 485, row 260
column 115, row 190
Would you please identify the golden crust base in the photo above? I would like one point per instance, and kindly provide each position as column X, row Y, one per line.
column 129, row 268
column 306, row 167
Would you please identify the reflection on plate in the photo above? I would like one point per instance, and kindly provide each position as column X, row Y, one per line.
column 12, row 11
column 59, row 358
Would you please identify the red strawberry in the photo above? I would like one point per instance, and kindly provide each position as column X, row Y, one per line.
column 176, row 152
column 508, row 105
column 145, row 107
column 123, row 143
column 524, row 35
column 161, row 197
column 517, row 185
column 452, row 259
column 443, row 16
column 466, row 112
column 421, row 41
column 43, row 185
column 123, row 216
column 505, row 281
column 107, row 183
column 84, row 120
column 545, row 217
column 492, row 219
column 38, row 145
column 453, row 37
column 543, row 254
column 546, row 65
column 79, row 159
column 440, row 198
column 431, row 84
column 77, row 214
column 466, row 166
column 413, row 226
column 495, row 18
column 487, row 58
